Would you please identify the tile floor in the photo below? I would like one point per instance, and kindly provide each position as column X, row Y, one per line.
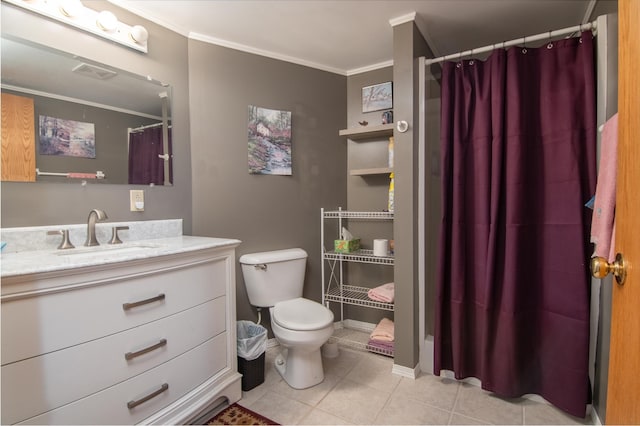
column 359, row 388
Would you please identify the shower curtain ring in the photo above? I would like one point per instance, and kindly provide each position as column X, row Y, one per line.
column 550, row 44
column 524, row 45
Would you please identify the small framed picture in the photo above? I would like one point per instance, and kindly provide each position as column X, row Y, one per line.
column 377, row 97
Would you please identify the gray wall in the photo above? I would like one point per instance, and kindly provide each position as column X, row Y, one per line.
column 29, row 204
column 371, row 192
column 408, row 45
column 433, row 195
column 367, row 193
column 266, row 212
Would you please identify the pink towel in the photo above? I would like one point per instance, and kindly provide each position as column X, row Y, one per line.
column 383, row 293
column 377, row 346
column 75, row 175
column 383, row 331
column 603, row 221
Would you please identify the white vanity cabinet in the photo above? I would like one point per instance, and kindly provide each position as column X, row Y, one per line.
column 138, row 341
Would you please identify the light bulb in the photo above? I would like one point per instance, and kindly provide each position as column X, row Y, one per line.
column 71, row 8
column 107, row 21
column 139, row 34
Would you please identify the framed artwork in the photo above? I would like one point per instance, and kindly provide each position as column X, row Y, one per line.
column 67, row 138
column 269, row 141
column 377, row 97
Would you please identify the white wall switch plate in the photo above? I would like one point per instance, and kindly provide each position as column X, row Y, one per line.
column 136, row 197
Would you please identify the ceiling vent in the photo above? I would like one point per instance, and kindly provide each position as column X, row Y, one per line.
column 93, row 71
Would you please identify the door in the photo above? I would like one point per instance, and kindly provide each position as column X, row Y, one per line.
column 18, row 139
column 623, row 395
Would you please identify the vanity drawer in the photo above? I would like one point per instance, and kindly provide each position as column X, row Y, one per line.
column 182, row 374
column 52, row 380
column 40, row 324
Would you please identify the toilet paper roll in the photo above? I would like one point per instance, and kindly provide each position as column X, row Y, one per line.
column 380, row 247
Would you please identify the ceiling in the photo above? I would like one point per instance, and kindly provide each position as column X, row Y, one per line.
column 352, row 36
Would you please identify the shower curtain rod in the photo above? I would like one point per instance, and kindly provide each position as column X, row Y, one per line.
column 543, row 36
column 137, row 129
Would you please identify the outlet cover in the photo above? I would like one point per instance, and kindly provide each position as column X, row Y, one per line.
column 136, row 198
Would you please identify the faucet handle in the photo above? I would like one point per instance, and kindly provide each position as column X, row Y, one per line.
column 114, row 234
column 65, row 244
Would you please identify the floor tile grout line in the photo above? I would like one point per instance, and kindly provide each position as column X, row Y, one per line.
column 359, row 357
column 340, row 379
column 455, row 403
column 305, row 415
column 384, row 406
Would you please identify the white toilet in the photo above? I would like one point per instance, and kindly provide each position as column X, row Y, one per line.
column 274, row 280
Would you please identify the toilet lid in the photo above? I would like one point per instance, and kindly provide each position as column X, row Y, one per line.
column 301, row 314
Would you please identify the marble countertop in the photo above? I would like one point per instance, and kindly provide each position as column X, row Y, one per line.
column 49, row 260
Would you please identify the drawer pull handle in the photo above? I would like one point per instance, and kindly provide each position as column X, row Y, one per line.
column 127, row 306
column 131, row 355
column 132, row 404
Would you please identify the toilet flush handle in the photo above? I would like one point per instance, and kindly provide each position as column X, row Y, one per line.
column 262, row 266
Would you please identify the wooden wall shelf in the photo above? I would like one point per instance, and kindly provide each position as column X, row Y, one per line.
column 372, row 171
column 368, row 132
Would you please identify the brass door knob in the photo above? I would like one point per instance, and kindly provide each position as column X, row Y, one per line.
column 600, row 268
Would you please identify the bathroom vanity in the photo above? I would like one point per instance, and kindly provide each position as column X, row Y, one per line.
column 139, row 332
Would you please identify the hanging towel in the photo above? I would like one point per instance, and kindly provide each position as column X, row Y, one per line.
column 383, row 293
column 383, row 331
column 74, row 175
column 603, row 221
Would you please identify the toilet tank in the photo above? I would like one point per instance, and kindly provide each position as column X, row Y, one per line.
column 273, row 276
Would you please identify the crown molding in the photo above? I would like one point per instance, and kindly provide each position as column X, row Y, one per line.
column 262, row 52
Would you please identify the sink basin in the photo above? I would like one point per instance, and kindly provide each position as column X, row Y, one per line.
column 107, row 250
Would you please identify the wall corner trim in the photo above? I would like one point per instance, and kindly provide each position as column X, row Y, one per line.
column 595, row 419
column 411, row 373
column 409, row 17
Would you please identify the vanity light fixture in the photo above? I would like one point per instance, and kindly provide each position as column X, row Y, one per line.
column 103, row 24
column 70, row 8
column 139, row 34
column 107, row 21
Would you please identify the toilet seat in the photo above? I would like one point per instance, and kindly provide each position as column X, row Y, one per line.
column 301, row 314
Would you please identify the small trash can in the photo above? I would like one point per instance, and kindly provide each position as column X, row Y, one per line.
column 252, row 344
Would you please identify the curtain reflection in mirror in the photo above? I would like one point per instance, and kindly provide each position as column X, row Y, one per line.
column 145, row 147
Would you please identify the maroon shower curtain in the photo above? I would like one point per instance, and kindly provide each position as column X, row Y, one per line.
column 518, row 135
column 145, row 167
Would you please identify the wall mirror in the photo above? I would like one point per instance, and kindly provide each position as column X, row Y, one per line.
column 66, row 118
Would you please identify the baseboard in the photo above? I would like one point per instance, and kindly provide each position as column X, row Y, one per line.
column 411, row 373
column 356, row 325
column 426, row 355
column 200, row 400
column 595, row 418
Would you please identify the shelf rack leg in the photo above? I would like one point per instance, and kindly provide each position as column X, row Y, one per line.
column 341, row 268
column 322, row 250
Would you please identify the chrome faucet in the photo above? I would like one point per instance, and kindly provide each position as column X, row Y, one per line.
column 95, row 215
